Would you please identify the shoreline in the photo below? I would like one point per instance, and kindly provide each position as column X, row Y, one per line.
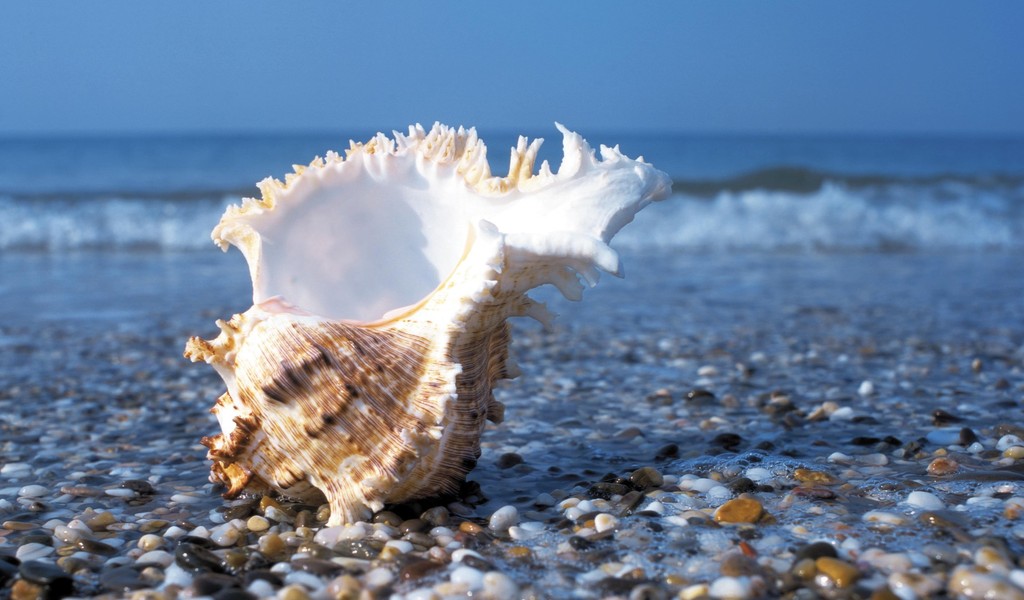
column 808, row 384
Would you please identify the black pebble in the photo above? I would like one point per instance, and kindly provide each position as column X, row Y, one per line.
column 208, row 584
column 699, row 394
column 865, row 440
column 941, row 417
column 196, row 541
column 967, row 437
column 508, row 460
column 7, row 570
column 742, row 485
column 417, row 569
column 414, row 526
column 38, row 571
column 728, row 441
column 269, row 576
column 57, row 582
column 192, row 557
column 121, row 579
column 318, row 566
column 233, row 594
column 815, row 551
column 667, row 451
column 606, row 490
column 477, row 563
column 139, row 486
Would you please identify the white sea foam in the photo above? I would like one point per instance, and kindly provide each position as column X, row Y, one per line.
column 835, row 218
column 894, row 216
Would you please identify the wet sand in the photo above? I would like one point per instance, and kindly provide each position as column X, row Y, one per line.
column 730, row 425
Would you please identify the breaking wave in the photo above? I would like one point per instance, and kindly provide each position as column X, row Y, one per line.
column 779, row 209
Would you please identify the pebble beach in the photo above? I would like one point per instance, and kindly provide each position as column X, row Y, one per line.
column 716, row 425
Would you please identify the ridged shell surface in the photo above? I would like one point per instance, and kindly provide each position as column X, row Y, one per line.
column 382, row 286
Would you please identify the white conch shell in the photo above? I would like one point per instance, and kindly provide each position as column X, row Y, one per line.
column 381, row 287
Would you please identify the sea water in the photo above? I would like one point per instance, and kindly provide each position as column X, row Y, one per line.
column 763, row 193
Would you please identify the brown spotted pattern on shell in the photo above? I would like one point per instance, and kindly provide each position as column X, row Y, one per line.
column 382, row 285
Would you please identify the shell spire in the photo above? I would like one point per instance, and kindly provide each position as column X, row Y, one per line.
column 382, row 285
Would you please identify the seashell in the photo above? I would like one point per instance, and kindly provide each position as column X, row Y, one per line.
column 382, row 285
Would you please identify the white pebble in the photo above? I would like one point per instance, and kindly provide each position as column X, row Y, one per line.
column 225, row 535
column 758, row 474
column 605, row 522
column 499, row 586
column 866, row 388
column 32, row 491
column 66, row 534
column 717, row 494
column 984, row 502
column 842, row 414
column 378, row 578
column 544, row 500
column 469, row 576
column 925, row 501
column 568, row 503
column 586, row 506
column 462, row 553
column 422, row 594
column 520, row 533
column 1007, row 441
column 15, row 469
column 911, row 586
column 876, row 459
column 175, row 575
column 328, row 537
column 730, row 587
column 159, row 557
column 656, row 507
column 703, row 485
column 503, row 518
column 261, row 588
column 185, row 498
column 119, row 492
column 200, row 531
column 150, row 542
column 174, row 532
column 402, row 546
column 32, row 551
column 882, row 517
column 839, row 458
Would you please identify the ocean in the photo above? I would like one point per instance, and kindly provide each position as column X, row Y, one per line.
column 826, row 330
column 756, row 193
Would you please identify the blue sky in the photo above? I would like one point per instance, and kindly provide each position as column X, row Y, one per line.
column 189, row 66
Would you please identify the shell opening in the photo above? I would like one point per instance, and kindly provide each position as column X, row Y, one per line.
column 359, row 257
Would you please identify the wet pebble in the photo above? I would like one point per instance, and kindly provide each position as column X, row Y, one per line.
column 121, row 579
column 739, row 510
column 509, row 460
column 924, row 501
column 839, row 573
column 193, row 557
column 503, row 518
